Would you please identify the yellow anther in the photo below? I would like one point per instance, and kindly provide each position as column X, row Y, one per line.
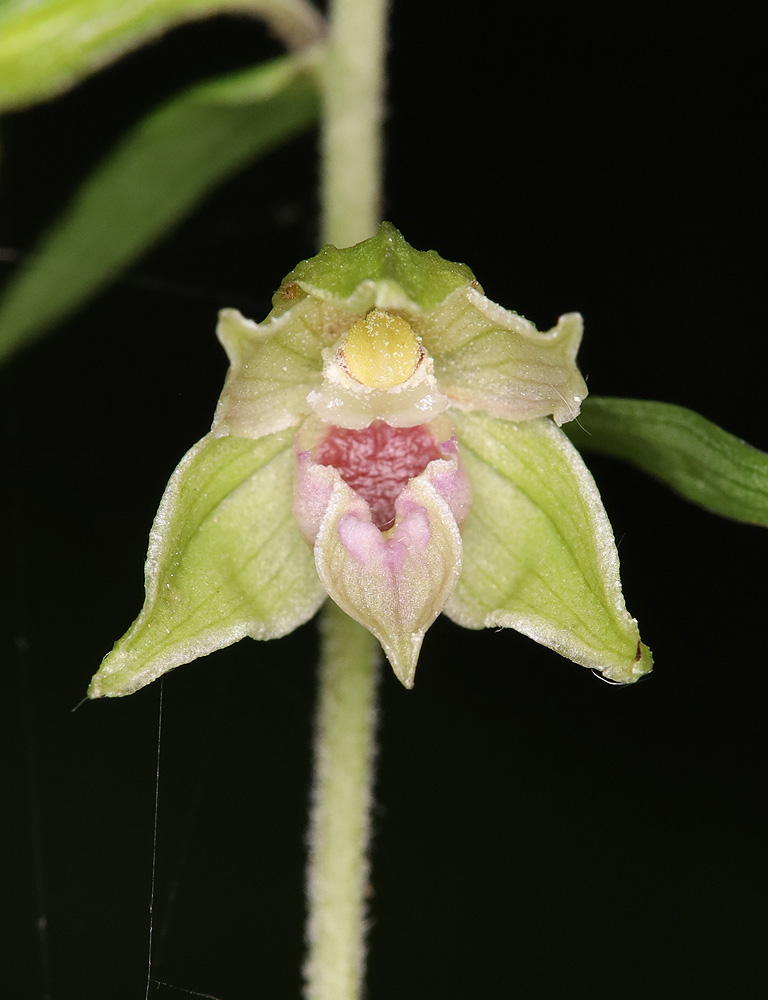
column 381, row 350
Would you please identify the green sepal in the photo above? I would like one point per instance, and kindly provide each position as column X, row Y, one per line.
column 539, row 554
column 404, row 277
column 225, row 560
column 687, row 452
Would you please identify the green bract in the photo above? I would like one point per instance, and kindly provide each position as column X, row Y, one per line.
column 433, row 478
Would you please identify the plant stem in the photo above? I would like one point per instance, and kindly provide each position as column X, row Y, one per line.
column 351, row 147
column 340, row 825
column 353, row 86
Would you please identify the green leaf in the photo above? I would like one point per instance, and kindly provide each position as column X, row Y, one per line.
column 539, row 554
column 690, row 454
column 158, row 172
column 48, row 46
column 225, row 560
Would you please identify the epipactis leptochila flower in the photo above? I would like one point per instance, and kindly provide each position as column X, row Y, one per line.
column 389, row 437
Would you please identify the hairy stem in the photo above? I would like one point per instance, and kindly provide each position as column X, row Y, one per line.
column 340, row 824
column 351, row 147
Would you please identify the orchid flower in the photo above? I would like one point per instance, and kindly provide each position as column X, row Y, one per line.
column 390, row 438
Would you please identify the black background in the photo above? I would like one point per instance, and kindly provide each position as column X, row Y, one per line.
column 538, row 834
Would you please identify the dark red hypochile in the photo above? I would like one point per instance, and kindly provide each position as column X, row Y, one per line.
column 378, row 461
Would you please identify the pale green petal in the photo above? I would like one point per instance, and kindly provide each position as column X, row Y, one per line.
column 397, row 583
column 539, row 554
column 273, row 365
column 225, row 560
column 488, row 358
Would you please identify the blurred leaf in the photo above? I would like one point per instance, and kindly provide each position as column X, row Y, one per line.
column 47, row 46
column 681, row 448
column 156, row 174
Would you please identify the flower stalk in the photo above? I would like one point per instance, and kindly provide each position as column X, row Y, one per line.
column 344, row 752
column 353, row 111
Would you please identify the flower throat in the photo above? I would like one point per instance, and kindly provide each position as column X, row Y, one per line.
column 377, row 462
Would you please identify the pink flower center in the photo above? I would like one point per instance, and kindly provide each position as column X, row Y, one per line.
column 378, row 461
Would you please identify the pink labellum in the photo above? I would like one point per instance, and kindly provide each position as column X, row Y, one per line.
column 383, row 507
column 378, row 461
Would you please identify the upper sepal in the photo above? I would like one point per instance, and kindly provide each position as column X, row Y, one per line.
column 225, row 560
column 384, row 271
